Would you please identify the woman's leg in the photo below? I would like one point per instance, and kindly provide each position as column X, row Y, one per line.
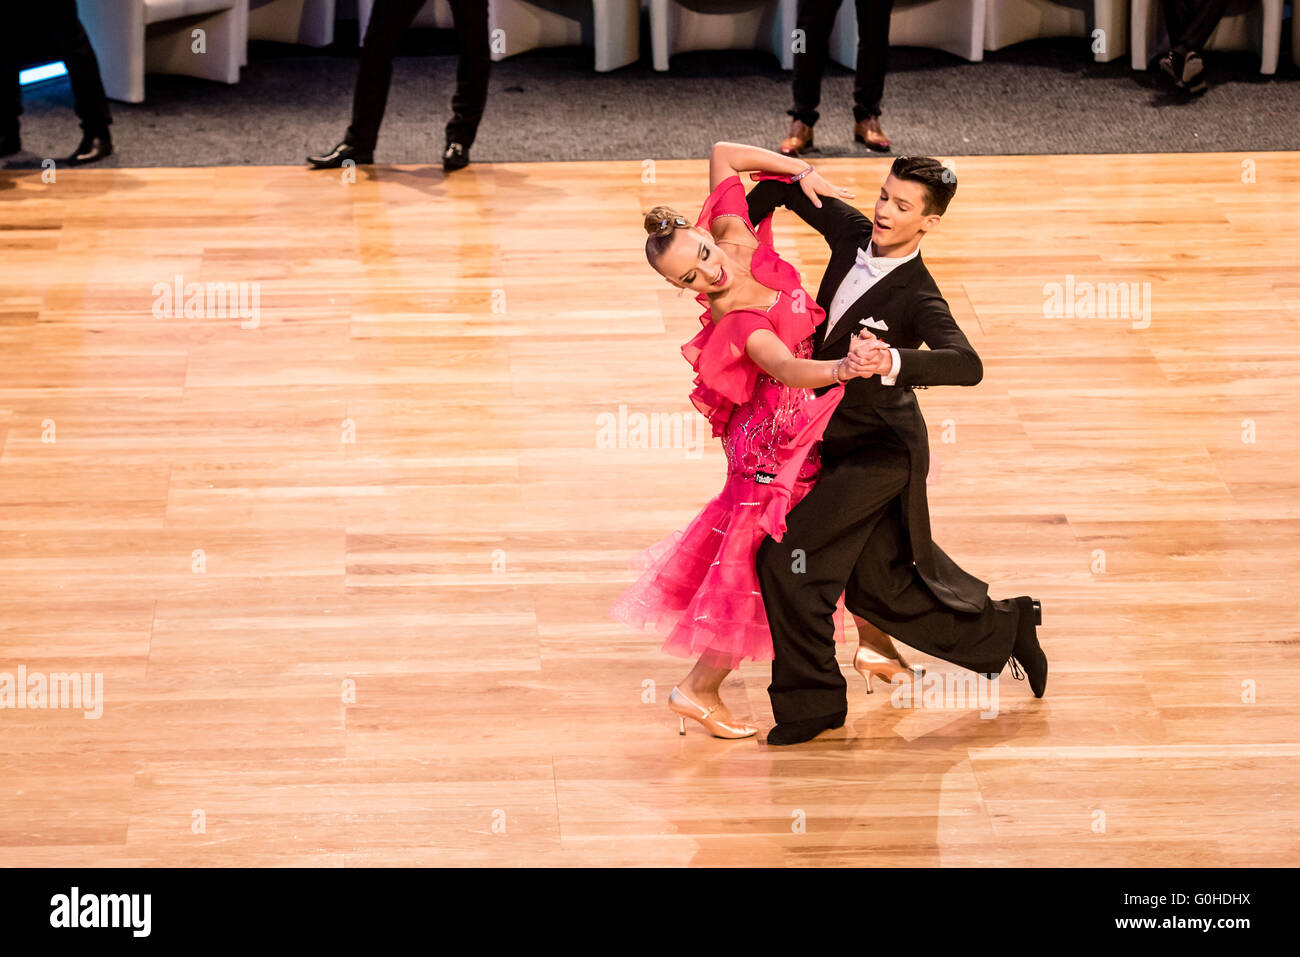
column 702, row 686
column 869, row 636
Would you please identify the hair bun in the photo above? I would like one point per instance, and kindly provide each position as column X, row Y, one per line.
column 662, row 220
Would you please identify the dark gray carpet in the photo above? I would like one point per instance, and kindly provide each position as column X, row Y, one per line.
column 1044, row 96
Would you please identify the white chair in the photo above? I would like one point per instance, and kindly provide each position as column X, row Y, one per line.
column 612, row 27
column 956, row 26
column 1246, row 25
column 241, row 9
column 677, row 26
column 132, row 37
column 309, row 22
column 1014, row 21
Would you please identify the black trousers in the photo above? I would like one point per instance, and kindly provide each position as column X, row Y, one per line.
column 847, row 536
column 389, row 20
column 1190, row 23
column 815, row 19
column 52, row 22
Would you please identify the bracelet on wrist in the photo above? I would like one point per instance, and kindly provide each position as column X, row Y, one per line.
column 800, row 175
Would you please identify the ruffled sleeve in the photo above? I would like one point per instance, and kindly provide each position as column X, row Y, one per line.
column 767, row 266
column 725, row 375
column 727, row 199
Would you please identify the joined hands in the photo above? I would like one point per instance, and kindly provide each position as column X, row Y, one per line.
column 867, row 356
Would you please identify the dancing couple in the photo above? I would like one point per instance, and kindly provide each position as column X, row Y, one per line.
column 826, row 452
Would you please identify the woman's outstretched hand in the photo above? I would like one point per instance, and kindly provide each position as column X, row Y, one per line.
column 815, row 185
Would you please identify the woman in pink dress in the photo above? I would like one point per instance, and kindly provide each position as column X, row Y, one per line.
column 754, row 383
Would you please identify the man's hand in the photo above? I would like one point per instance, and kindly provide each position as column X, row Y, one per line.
column 868, row 356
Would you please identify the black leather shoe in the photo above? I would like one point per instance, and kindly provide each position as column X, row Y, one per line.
column 796, row 732
column 455, row 156
column 1026, row 653
column 9, row 145
column 336, row 157
column 92, row 149
column 1172, row 65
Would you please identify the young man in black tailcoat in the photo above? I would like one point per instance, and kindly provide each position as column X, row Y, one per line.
column 864, row 529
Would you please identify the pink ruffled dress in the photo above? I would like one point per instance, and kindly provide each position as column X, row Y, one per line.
column 699, row 586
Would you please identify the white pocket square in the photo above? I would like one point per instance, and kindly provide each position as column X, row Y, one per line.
column 872, row 323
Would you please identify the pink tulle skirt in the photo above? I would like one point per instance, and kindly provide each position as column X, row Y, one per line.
column 699, row 586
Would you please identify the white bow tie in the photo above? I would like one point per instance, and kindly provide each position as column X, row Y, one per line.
column 866, row 260
column 876, row 265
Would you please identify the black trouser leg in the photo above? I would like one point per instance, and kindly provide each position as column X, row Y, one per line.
column 1190, row 23
column 472, row 70
column 11, row 98
column 1174, row 23
column 848, row 535
column 58, row 21
column 89, row 100
column 873, row 57
column 803, row 576
column 1205, row 16
column 886, row 589
column 388, row 21
column 815, row 20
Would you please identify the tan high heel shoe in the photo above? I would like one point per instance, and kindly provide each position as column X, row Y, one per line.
column 685, row 708
column 867, row 667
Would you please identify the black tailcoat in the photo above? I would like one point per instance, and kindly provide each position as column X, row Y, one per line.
column 906, row 310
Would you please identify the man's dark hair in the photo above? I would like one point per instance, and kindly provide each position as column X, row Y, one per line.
column 940, row 182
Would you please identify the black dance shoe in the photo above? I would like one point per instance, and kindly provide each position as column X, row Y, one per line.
column 796, row 732
column 9, row 145
column 455, row 156
column 336, row 157
column 1026, row 653
column 1172, row 65
column 93, row 148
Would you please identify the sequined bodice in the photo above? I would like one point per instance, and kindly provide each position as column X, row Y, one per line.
column 757, row 429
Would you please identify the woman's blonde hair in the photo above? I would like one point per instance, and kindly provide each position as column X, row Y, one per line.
column 660, row 223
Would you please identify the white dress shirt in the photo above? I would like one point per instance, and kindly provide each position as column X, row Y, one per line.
column 866, row 272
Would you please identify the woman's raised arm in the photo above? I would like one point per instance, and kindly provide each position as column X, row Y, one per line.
column 732, row 159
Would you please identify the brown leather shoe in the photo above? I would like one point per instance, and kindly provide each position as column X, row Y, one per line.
column 799, row 140
column 868, row 131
